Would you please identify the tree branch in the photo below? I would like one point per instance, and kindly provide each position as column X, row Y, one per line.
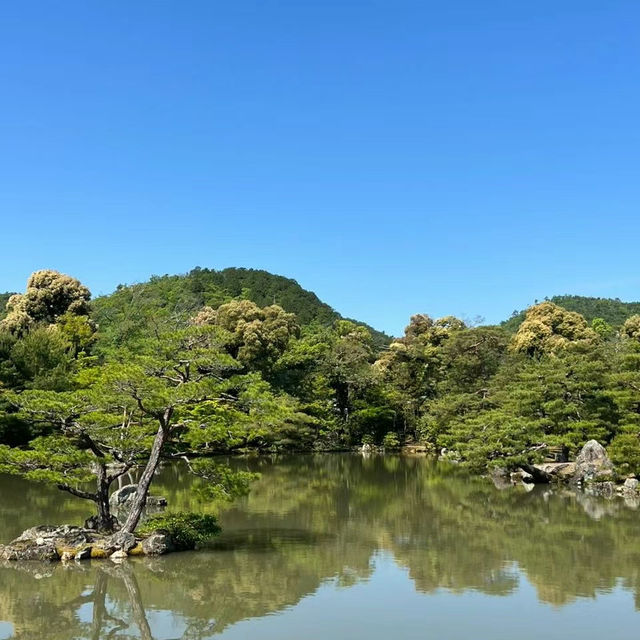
column 78, row 492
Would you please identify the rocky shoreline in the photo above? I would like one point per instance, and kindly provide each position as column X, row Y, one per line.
column 592, row 472
column 68, row 542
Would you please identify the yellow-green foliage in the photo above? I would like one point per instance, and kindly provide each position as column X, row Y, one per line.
column 548, row 328
column 631, row 328
column 49, row 295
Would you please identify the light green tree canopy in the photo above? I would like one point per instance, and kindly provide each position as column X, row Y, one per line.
column 48, row 296
column 548, row 328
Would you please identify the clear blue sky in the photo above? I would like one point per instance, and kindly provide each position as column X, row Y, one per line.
column 460, row 157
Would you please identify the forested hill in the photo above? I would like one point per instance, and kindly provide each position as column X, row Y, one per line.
column 613, row 311
column 166, row 296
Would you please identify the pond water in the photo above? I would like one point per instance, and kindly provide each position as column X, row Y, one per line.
column 344, row 547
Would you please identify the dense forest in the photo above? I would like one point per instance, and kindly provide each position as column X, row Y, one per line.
column 217, row 362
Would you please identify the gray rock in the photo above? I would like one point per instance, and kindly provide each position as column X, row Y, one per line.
column 121, row 541
column 157, row 544
column 553, row 471
column 521, row 476
column 592, row 462
column 122, row 498
column 631, row 485
column 42, row 534
column 123, row 495
column 28, row 550
column 92, row 523
column 500, row 478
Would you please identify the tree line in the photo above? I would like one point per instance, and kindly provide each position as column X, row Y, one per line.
column 90, row 389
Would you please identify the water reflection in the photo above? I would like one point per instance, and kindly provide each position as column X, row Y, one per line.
column 313, row 521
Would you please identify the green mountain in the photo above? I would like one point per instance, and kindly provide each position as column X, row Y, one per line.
column 167, row 296
column 613, row 310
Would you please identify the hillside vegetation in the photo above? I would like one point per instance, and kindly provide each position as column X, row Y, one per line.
column 170, row 298
column 613, row 311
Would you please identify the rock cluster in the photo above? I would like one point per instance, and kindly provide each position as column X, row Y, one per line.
column 67, row 542
column 591, row 466
column 591, row 471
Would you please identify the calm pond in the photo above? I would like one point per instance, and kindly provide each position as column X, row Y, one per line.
column 343, row 547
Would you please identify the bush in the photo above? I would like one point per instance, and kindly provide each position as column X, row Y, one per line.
column 186, row 529
column 391, row 440
column 624, row 452
column 367, row 439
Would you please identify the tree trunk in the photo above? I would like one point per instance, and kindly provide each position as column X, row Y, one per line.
column 105, row 522
column 140, row 498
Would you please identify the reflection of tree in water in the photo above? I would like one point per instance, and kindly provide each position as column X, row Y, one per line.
column 310, row 519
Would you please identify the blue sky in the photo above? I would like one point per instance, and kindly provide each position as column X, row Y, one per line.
column 395, row 157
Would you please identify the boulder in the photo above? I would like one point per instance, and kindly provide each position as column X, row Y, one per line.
column 123, row 495
column 521, row 476
column 157, row 544
column 122, row 498
column 118, row 556
column 49, row 543
column 631, row 485
column 553, row 471
column 66, row 534
column 592, row 463
column 120, row 541
column 28, row 550
column 501, row 478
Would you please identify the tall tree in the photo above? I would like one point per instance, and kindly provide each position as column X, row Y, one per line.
column 181, row 394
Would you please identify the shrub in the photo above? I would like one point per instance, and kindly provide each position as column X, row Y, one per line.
column 186, row 529
column 391, row 440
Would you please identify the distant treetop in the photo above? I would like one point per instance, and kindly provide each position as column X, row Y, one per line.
column 612, row 310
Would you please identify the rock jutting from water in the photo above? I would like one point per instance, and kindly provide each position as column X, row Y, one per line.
column 68, row 542
column 592, row 471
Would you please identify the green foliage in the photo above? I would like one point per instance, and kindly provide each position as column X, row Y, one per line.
column 131, row 312
column 624, row 452
column 238, row 359
column 602, row 328
column 391, row 440
column 548, row 328
column 43, row 359
column 613, row 311
column 48, row 296
column 186, row 529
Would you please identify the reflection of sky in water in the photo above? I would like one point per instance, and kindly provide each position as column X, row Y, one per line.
column 165, row 625
column 387, row 606
column 6, row 630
